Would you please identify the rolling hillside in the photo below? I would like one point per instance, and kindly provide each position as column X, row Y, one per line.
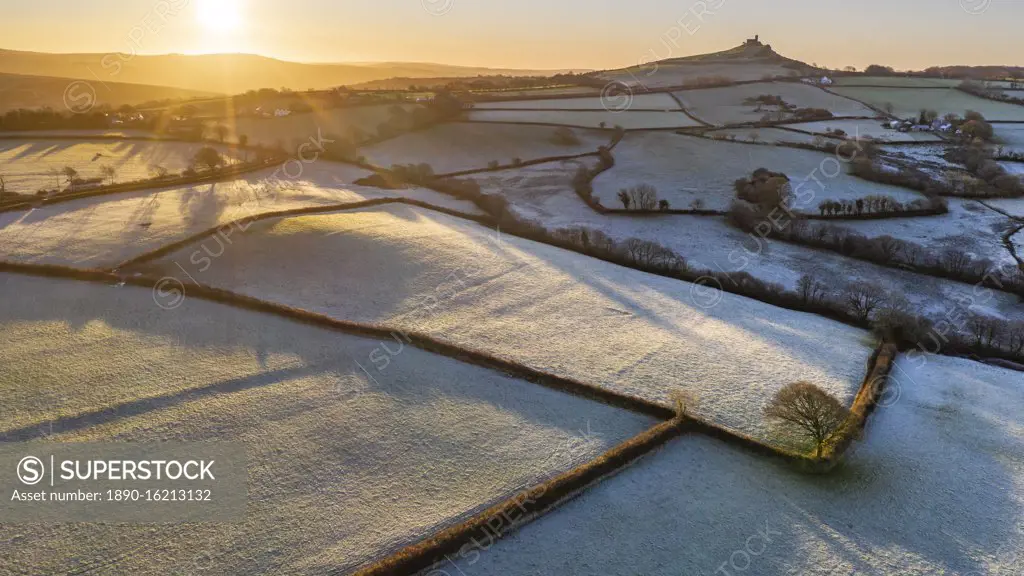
column 226, row 73
column 22, row 91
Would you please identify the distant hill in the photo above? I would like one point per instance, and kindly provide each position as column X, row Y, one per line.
column 21, row 91
column 227, row 73
column 749, row 61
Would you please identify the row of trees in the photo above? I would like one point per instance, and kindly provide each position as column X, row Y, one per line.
column 642, row 197
column 879, row 204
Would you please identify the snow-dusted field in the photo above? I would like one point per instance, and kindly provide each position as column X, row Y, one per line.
column 538, row 92
column 105, row 230
column 726, row 105
column 629, row 119
column 291, row 130
column 1010, row 136
column 655, row 101
column 27, row 164
column 866, row 129
column 686, row 168
column 755, row 135
column 710, row 243
column 935, row 487
column 551, row 309
column 896, row 81
column 113, row 132
column 908, row 102
column 968, row 227
column 668, row 74
column 466, row 146
column 346, row 463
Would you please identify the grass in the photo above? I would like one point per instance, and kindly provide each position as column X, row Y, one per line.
column 630, row 119
column 908, row 102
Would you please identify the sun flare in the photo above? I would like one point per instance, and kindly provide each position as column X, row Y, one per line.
column 219, row 15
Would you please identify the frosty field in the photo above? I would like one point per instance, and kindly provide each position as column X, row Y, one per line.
column 26, row 164
column 1010, row 136
column 655, row 101
column 755, row 135
column 466, row 146
column 908, row 102
column 104, row 231
column 896, row 81
column 630, row 119
column 344, row 465
column 935, row 487
column 710, row 243
column 866, row 129
column 551, row 309
column 726, row 105
column 968, row 227
column 685, row 169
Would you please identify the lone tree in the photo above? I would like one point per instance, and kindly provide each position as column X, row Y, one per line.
column 811, row 411
column 243, row 143
column 208, row 157
column 71, row 174
column 109, row 172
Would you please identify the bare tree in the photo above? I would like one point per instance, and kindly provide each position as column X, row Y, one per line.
column 811, row 291
column 810, row 410
column 158, row 171
column 889, row 247
column 955, row 261
column 985, row 329
column 863, row 298
column 71, row 175
column 3, row 187
column 109, row 172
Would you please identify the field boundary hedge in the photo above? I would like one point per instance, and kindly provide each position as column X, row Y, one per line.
column 499, row 521
column 416, row 339
column 879, row 368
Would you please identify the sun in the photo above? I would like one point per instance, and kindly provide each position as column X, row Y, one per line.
column 219, row 15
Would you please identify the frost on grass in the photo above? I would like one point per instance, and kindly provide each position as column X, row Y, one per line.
column 629, row 119
column 104, row 231
column 655, row 101
column 346, row 463
column 28, row 165
column 461, row 146
column 969, row 227
column 857, row 129
column 710, row 243
column 728, row 105
column 687, row 168
column 935, row 487
column 554, row 310
column 908, row 102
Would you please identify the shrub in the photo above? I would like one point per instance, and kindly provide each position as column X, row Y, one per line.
column 765, row 189
column 810, row 411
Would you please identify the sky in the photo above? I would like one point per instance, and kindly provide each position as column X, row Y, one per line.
column 536, row 34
